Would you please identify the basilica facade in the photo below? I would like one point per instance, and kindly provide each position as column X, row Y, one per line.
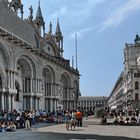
column 33, row 72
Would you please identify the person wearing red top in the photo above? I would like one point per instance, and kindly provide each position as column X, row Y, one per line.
column 79, row 117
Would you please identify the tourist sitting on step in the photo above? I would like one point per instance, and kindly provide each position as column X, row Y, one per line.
column 103, row 120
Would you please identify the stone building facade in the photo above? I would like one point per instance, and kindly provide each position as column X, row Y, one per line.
column 126, row 92
column 33, row 72
column 132, row 74
column 92, row 103
column 117, row 97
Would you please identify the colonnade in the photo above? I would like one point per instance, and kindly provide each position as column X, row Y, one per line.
column 6, row 101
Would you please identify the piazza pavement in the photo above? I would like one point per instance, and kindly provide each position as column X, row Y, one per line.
column 90, row 131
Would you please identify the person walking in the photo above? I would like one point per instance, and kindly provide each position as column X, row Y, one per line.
column 73, row 119
column 67, row 120
column 27, row 121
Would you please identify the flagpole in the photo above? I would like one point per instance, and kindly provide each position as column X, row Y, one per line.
column 76, row 50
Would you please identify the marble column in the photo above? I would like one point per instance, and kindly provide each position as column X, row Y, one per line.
column 2, row 101
column 31, row 102
column 12, row 102
column 10, row 78
column 9, row 102
column 24, row 103
column 14, row 79
column 55, row 104
column 51, row 104
column 13, row 83
column 40, row 87
column 31, row 87
column 23, row 85
column 51, row 90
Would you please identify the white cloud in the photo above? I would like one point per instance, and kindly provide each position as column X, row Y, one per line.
column 60, row 12
column 85, row 9
column 76, row 10
column 121, row 14
column 81, row 32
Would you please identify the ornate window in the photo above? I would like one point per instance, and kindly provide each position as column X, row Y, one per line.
column 49, row 49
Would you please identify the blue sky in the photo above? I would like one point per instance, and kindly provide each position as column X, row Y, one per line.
column 103, row 27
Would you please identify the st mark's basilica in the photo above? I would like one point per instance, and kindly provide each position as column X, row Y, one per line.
column 33, row 72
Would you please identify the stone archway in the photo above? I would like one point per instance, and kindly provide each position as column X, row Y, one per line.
column 48, row 88
column 24, row 82
column 64, row 92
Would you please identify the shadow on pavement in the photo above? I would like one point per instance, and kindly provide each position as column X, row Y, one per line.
column 29, row 135
column 66, row 136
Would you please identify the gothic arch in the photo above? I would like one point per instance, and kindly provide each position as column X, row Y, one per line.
column 48, row 80
column 64, row 90
column 65, row 84
column 66, row 75
column 29, row 60
column 51, row 71
column 24, row 80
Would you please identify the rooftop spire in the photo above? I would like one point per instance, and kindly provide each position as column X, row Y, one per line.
column 58, row 30
column 39, row 13
column 50, row 28
column 40, row 20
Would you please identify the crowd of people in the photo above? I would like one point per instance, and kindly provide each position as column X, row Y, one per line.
column 133, row 119
column 10, row 121
column 123, row 118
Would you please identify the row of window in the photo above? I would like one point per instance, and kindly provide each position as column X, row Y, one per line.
column 91, row 103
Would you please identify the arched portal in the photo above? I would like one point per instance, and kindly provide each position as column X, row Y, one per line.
column 47, row 88
column 24, row 82
column 64, row 92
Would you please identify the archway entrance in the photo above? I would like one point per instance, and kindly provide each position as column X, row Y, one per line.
column 47, row 83
column 64, row 93
column 24, row 84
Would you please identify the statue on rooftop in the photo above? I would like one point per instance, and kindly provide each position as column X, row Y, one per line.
column 137, row 39
column 31, row 13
